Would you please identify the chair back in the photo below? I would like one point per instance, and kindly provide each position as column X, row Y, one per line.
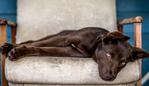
column 39, row 18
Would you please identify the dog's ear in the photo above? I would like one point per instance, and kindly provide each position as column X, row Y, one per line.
column 118, row 35
column 114, row 37
column 138, row 53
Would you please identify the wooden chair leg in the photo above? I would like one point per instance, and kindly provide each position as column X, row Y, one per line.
column 13, row 34
column 4, row 81
column 3, row 35
column 3, row 40
column 138, row 35
column 138, row 43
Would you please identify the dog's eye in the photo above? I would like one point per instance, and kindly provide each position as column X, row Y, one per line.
column 123, row 63
column 108, row 54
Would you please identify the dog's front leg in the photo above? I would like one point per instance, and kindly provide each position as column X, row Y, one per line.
column 20, row 51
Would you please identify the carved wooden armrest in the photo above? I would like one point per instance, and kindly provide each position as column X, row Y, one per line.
column 7, row 22
column 3, row 21
column 3, row 33
column 137, row 19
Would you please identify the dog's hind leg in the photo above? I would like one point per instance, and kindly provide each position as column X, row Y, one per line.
column 59, row 41
column 18, row 52
column 51, row 40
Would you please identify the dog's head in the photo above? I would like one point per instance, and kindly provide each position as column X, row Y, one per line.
column 113, row 53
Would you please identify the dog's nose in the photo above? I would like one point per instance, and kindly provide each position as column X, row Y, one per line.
column 108, row 77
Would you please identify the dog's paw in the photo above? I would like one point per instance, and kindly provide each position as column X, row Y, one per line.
column 16, row 53
column 6, row 48
column 12, row 55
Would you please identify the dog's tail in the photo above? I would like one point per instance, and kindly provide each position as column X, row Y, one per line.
column 6, row 48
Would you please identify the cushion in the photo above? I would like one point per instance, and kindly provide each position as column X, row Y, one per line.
column 18, row 84
column 63, row 70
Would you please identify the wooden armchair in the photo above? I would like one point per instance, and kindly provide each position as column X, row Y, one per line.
column 137, row 21
column 89, row 77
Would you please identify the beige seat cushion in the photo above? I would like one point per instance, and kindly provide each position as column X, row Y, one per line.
column 16, row 84
column 65, row 70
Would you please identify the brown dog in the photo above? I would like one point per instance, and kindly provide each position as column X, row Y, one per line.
column 110, row 50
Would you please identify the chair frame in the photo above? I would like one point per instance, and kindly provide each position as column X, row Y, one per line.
column 137, row 21
column 3, row 38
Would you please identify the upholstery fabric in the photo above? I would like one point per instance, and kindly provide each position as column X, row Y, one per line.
column 12, row 84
